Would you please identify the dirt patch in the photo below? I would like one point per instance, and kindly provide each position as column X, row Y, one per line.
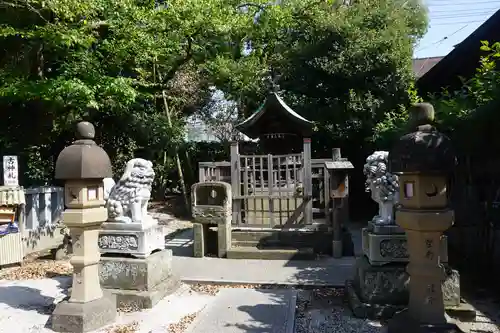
column 173, row 205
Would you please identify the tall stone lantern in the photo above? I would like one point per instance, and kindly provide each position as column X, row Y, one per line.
column 423, row 159
column 82, row 166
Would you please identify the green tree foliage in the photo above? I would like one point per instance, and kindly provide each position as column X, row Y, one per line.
column 457, row 112
column 342, row 66
column 106, row 61
column 112, row 62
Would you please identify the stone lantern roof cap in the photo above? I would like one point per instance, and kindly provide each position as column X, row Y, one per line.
column 83, row 159
column 425, row 149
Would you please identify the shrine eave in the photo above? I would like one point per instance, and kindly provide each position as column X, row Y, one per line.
column 274, row 103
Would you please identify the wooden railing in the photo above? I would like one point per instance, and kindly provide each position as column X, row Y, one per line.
column 221, row 171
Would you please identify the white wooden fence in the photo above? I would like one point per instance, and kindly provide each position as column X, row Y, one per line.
column 44, row 206
column 41, row 230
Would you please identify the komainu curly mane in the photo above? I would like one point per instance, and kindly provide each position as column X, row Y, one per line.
column 128, row 199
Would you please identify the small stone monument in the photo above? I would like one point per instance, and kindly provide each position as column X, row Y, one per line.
column 211, row 206
column 10, row 170
column 135, row 266
column 12, row 213
column 424, row 159
column 83, row 165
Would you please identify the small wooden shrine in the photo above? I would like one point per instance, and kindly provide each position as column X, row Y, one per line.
column 273, row 190
column 276, row 195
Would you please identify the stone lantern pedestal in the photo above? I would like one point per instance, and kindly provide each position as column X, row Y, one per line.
column 380, row 285
column 426, row 307
column 83, row 165
column 135, row 267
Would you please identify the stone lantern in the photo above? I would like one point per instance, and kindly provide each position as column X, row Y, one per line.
column 83, row 166
column 423, row 159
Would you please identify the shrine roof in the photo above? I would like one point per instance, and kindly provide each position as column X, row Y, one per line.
column 256, row 125
column 339, row 165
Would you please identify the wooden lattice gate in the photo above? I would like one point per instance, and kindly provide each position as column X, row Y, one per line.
column 270, row 191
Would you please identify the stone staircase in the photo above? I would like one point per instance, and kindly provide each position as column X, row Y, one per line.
column 288, row 244
column 278, row 244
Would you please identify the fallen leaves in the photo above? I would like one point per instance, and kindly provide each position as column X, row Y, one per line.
column 37, row 269
column 183, row 324
column 126, row 328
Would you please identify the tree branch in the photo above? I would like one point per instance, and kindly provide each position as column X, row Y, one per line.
column 25, row 5
column 249, row 4
column 183, row 60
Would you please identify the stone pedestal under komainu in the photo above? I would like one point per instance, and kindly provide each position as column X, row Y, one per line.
column 134, row 266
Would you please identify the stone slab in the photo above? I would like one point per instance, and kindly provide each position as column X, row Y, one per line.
column 83, row 317
column 199, row 239
column 136, row 300
column 388, row 248
column 387, row 284
column 138, row 283
column 362, row 309
column 131, row 238
column 135, row 226
column 246, row 310
column 133, row 273
column 223, row 239
column 253, row 252
column 402, row 322
column 385, row 229
column 463, row 312
column 327, row 271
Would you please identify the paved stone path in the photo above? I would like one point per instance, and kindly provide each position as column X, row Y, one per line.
column 248, row 311
column 325, row 271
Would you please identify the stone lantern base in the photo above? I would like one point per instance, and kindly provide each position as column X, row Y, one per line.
column 380, row 285
column 135, row 267
column 402, row 322
column 83, row 317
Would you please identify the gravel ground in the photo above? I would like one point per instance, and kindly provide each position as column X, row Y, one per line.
column 36, row 267
column 323, row 310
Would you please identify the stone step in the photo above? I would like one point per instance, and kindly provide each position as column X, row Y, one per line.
column 252, row 252
column 320, row 241
column 248, row 310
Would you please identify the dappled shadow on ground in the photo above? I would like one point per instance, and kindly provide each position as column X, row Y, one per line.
column 276, row 314
column 327, row 270
column 181, row 243
column 316, row 310
column 487, row 306
column 173, row 205
column 323, row 310
column 323, row 271
column 20, row 296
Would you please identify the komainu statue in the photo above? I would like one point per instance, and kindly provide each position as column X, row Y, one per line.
column 128, row 199
column 383, row 185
